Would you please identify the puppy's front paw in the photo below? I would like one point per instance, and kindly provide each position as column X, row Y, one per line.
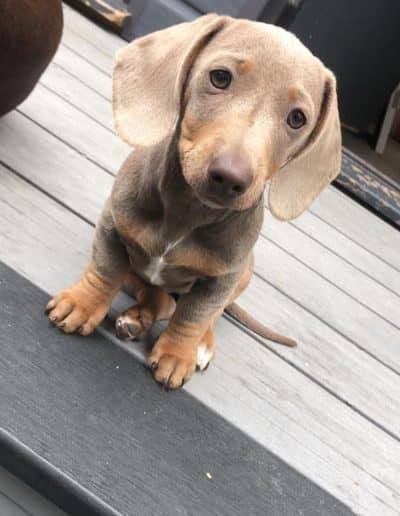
column 134, row 323
column 77, row 309
column 172, row 362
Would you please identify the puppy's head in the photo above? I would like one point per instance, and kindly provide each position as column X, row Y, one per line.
column 250, row 102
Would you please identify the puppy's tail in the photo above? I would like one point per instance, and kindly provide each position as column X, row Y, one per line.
column 247, row 320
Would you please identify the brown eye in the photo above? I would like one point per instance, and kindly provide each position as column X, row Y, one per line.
column 221, row 79
column 296, row 119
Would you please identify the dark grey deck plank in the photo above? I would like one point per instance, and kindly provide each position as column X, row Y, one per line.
column 96, row 414
column 247, row 384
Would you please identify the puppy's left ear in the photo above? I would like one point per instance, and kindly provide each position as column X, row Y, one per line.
column 297, row 184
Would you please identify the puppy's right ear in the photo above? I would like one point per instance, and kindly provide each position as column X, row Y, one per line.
column 149, row 76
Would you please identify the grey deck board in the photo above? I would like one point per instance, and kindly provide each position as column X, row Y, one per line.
column 359, row 225
column 81, row 68
column 349, row 250
column 78, row 94
column 101, row 39
column 267, row 398
column 356, row 283
column 87, row 50
column 75, row 128
column 329, row 279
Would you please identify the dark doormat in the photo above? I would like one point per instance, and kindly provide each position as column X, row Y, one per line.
column 85, row 424
column 370, row 187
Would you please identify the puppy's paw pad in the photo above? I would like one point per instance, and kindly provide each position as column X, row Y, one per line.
column 204, row 356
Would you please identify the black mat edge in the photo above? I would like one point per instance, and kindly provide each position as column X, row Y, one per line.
column 49, row 481
column 104, row 16
column 369, row 187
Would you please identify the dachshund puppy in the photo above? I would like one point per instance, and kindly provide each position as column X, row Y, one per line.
column 215, row 109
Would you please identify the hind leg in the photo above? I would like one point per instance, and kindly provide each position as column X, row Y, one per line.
column 153, row 304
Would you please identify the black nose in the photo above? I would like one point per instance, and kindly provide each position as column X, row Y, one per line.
column 229, row 176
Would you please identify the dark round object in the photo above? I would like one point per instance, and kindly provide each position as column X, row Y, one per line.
column 30, row 31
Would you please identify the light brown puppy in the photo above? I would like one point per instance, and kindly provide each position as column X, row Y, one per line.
column 215, row 109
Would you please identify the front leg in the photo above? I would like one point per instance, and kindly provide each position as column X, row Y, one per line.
column 188, row 340
column 84, row 305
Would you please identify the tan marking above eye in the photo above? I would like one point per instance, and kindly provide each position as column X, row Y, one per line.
column 245, row 66
column 294, row 92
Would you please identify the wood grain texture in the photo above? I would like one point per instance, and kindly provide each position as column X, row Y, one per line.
column 349, row 250
column 340, row 273
column 84, row 71
column 101, row 39
column 267, row 398
column 52, row 166
column 75, row 128
column 96, row 56
column 86, row 100
column 359, row 225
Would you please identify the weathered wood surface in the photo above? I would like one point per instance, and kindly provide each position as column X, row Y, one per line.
column 99, row 38
column 331, row 408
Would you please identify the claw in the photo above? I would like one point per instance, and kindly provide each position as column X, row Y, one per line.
column 153, row 366
column 166, row 385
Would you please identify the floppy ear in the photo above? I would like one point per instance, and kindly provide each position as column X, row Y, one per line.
column 149, row 76
column 297, row 184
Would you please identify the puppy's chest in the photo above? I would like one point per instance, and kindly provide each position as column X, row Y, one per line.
column 157, row 265
column 173, row 263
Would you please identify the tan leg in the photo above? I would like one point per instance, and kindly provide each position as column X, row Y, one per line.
column 153, row 304
column 174, row 355
column 184, row 346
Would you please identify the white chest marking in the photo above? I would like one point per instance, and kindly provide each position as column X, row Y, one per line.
column 157, row 264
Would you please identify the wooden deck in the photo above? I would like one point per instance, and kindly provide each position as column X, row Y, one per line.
column 331, row 279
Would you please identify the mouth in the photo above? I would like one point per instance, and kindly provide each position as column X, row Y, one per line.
column 209, row 203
